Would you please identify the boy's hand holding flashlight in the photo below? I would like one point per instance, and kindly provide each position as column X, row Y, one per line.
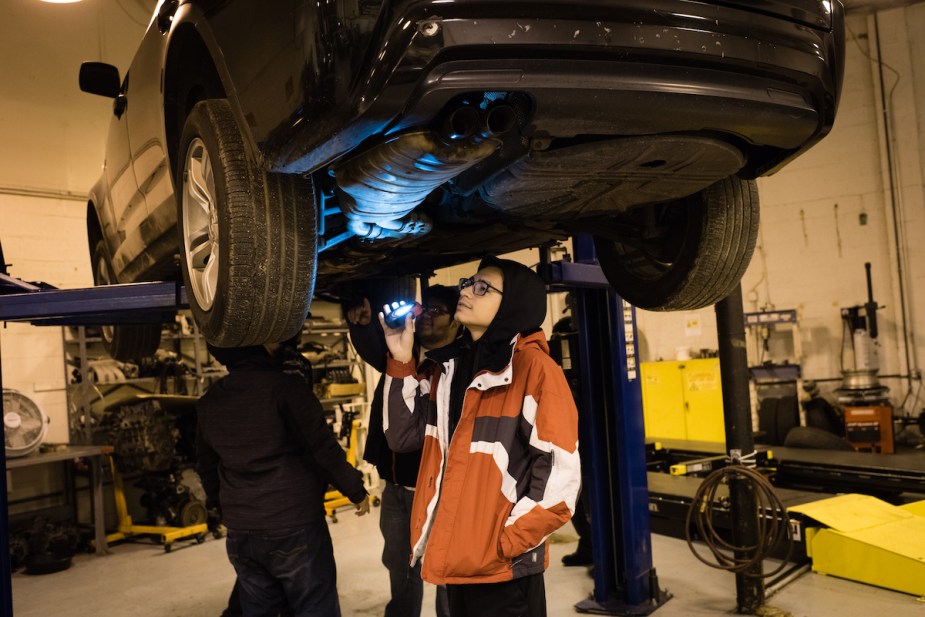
column 397, row 321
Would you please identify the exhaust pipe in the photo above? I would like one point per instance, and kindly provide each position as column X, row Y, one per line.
column 500, row 119
column 461, row 123
column 379, row 188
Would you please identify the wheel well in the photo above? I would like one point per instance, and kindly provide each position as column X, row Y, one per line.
column 189, row 77
column 94, row 229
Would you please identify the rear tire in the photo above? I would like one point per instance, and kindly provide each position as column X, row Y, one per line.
column 700, row 249
column 124, row 341
column 247, row 237
column 816, row 439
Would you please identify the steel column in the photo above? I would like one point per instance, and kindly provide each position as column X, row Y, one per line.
column 730, row 327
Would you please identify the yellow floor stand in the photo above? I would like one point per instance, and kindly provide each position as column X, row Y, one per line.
column 165, row 535
column 868, row 540
column 334, row 500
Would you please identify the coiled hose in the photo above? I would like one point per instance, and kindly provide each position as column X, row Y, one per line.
column 771, row 515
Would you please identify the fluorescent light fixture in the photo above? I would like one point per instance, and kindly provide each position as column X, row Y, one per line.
column 61, row 1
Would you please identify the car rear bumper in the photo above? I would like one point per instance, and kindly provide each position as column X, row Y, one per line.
column 767, row 79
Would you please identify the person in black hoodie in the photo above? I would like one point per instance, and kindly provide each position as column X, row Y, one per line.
column 266, row 455
column 435, row 328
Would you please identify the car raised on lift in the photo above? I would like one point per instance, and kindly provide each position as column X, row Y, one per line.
column 285, row 147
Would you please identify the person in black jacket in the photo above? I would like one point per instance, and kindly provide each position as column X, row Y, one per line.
column 265, row 456
column 434, row 328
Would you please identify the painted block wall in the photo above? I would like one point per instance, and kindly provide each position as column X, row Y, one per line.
column 52, row 138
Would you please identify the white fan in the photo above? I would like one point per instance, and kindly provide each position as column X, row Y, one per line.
column 24, row 424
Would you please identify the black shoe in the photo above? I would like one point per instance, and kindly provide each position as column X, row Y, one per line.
column 578, row 558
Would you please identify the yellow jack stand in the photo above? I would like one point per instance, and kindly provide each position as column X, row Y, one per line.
column 333, row 500
column 165, row 535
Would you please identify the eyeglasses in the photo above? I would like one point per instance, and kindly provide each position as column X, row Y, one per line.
column 479, row 287
column 435, row 311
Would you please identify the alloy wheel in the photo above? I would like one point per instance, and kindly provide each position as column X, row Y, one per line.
column 200, row 224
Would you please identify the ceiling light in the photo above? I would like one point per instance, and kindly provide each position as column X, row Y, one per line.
column 61, row 1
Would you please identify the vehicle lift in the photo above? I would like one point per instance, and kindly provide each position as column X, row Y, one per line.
column 40, row 304
column 612, row 435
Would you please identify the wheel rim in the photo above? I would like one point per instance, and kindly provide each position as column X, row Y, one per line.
column 200, row 224
column 653, row 258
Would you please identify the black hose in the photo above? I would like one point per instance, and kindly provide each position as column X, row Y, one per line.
column 772, row 523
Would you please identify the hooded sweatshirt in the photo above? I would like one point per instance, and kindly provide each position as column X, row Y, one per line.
column 492, row 490
column 265, row 451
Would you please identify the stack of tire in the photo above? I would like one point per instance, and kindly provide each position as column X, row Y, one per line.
column 779, row 424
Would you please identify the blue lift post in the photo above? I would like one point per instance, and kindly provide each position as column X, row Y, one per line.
column 612, row 433
column 43, row 306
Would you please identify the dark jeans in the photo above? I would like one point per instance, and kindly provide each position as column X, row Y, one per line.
column 522, row 597
column 285, row 565
column 407, row 586
column 234, row 604
column 582, row 523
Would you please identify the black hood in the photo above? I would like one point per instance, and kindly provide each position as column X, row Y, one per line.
column 232, row 356
column 522, row 311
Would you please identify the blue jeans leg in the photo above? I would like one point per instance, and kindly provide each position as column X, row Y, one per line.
column 292, row 564
column 395, row 524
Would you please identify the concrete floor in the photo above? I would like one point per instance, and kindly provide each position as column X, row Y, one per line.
column 141, row 580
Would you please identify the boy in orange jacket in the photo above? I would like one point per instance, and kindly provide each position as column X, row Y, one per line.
column 499, row 429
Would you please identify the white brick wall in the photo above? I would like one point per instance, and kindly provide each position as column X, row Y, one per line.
column 53, row 137
column 44, row 240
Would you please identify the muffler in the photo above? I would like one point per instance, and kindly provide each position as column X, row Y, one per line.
column 379, row 188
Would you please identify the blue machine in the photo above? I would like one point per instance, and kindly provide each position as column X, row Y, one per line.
column 612, row 437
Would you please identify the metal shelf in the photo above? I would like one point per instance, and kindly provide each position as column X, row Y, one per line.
column 332, row 364
column 341, row 399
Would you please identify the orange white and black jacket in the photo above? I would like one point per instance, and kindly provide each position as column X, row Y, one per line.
column 487, row 499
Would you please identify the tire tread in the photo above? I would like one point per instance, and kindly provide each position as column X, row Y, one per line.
column 271, row 245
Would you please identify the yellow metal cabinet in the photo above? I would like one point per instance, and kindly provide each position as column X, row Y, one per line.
column 683, row 400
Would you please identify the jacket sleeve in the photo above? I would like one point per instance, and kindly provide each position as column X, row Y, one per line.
column 207, row 461
column 405, row 406
column 304, row 417
column 370, row 344
column 551, row 419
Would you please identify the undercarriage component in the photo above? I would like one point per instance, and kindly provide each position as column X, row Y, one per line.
column 379, row 188
column 610, row 176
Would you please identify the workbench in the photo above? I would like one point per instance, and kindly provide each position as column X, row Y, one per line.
column 93, row 454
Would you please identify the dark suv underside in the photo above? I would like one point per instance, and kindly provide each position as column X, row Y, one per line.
column 301, row 143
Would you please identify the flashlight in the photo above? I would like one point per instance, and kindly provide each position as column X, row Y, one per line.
column 400, row 310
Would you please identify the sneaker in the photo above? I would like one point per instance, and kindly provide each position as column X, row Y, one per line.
column 578, row 558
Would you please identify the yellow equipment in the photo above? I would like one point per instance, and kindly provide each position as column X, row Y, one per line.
column 166, row 535
column 334, row 499
column 868, row 540
column 683, row 400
